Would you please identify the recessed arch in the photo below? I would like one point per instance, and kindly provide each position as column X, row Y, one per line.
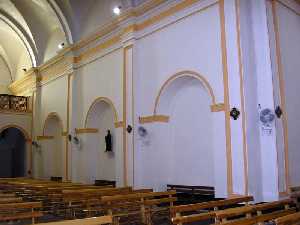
column 102, row 99
column 53, row 148
column 189, row 137
column 50, row 116
column 28, row 147
column 185, row 73
column 25, row 133
column 102, row 164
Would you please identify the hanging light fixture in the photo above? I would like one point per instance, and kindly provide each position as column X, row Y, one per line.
column 117, row 10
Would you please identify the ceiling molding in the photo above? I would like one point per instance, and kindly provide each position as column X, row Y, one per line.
column 8, row 66
column 62, row 20
column 22, row 34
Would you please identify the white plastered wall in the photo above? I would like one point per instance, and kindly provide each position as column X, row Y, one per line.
column 49, row 98
column 158, row 57
column 289, row 53
column 102, row 77
column 52, row 150
column 101, row 164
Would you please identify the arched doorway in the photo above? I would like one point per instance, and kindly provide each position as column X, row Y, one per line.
column 182, row 149
column 102, row 164
column 13, row 155
column 53, row 147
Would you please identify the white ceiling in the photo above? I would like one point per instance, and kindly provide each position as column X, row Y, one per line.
column 31, row 30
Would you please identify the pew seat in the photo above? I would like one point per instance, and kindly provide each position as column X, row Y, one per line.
column 262, row 219
column 88, row 221
column 290, row 219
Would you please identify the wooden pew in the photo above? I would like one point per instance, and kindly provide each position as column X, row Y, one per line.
column 190, row 194
column 250, row 214
column 291, row 219
column 295, row 195
column 139, row 206
column 10, row 200
column 89, row 221
column 7, row 195
column 88, row 200
column 259, row 209
column 19, row 211
column 263, row 218
column 209, row 206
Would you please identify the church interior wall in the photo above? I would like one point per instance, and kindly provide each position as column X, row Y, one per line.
column 156, row 60
column 102, row 78
column 178, row 78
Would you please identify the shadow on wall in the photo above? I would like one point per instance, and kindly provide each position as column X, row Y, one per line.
column 12, row 153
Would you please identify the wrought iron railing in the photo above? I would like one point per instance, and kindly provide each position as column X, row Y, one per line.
column 13, row 103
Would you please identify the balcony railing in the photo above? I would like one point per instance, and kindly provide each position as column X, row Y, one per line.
column 13, row 103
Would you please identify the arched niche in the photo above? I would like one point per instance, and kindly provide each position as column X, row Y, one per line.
column 101, row 165
column 53, row 147
column 183, row 148
column 15, row 149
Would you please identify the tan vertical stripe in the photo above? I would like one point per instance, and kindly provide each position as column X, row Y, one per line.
column 32, row 127
column 245, row 149
column 68, row 127
column 125, row 115
column 226, row 98
column 282, row 94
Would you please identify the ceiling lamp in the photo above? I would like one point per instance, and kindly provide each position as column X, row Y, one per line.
column 117, row 10
column 61, row 46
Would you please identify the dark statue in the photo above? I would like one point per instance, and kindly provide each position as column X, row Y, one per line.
column 108, row 142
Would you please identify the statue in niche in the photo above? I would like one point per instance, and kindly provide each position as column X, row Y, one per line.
column 108, row 142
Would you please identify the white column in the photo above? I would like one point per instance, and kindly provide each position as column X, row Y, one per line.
column 265, row 99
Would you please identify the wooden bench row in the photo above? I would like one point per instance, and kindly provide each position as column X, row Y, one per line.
column 20, row 211
column 248, row 214
column 291, row 219
column 89, row 221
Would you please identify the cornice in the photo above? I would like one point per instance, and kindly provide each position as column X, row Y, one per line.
column 154, row 118
column 12, row 112
column 86, row 130
column 26, row 83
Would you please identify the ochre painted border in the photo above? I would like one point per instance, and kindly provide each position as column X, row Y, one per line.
column 125, row 160
column 154, row 118
column 50, row 116
column 43, row 137
column 119, row 124
column 243, row 112
column 185, row 73
column 106, row 100
column 226, row 98
column 86, row 130
column 282, row 94
column 217, row 107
